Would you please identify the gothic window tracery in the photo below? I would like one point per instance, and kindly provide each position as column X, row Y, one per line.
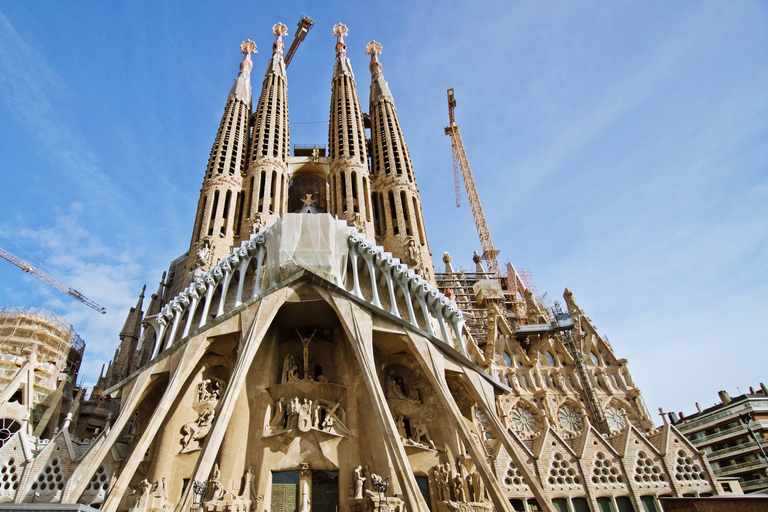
column 616, row 418
column 570, row 419
column 523, row 420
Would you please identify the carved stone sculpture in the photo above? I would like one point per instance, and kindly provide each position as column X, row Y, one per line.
column 418, row 432
column 359, row 482
column 194, row 431
column 478, row 489
column 290, row 370
column 278, row 418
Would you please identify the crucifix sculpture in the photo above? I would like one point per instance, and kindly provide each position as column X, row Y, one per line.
column 305, row 342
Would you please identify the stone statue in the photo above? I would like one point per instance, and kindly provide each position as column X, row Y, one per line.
column 204, row 254
column 290, row 370
column 258, row 223
column 413, row 395
column 439, row 484
column 478, row 489
column 395, row 387
column 400, row 422
column 194, row 431
column 245, row 492
column 359, row 482
column 278, row 418
column 218, row 488
column 419, row 431
column 458, row 489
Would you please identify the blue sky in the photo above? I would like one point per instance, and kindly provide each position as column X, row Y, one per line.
column 620, row 149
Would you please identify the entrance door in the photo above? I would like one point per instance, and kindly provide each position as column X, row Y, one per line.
column 285, row 491
column 325, row 491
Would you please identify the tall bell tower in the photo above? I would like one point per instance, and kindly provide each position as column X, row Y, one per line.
column 220, row 207
column 349, row 174
column 398, row 218
column 266, row 184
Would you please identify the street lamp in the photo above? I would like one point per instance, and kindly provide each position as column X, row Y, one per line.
column 199, row 489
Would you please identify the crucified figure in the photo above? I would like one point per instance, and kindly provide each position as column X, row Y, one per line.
column 305, row 342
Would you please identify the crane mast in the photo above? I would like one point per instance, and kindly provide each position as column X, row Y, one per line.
column 26, row 267
column 460, row 162
column 305, row 23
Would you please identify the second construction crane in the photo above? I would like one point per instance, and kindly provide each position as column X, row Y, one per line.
column 26, row 267
column 460, row 162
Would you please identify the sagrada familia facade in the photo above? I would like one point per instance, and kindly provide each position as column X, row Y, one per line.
column 305, row 353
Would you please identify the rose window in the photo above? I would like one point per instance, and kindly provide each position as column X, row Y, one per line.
column 523, row 420
column 570, row 419
column 8, row 427
column 615, row 418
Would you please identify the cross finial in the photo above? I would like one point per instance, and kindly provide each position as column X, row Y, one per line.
column 278, row 30
column 248, row 47
column 373, row 48
column 340, row 31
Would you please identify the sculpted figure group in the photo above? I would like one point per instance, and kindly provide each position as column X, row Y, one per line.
column 453, row 485
column 305, row 414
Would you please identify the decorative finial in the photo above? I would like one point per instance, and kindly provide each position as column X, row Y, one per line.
column 373, row 48
column 278, row 30
column 340, row 31
column 248, row 47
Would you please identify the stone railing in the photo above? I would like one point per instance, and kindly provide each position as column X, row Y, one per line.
column 241, row 277
column 415, row 290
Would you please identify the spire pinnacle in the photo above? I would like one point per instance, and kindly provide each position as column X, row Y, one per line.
column 278, row 30
column 340, row 31
column 379, row 87
column 374, row 50
column 241, row 90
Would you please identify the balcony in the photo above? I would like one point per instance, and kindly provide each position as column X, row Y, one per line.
column 698, row 442
column 746, row 447
column 754, row 485
column 741, row 468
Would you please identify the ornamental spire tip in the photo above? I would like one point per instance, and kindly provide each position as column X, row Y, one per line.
column 248, row 47
column 340, row 31
column 373, row 48
column 278, row 30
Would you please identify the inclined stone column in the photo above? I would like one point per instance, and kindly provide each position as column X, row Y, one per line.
column 266, row 182
column 398, row 217
column 350, row 180
column 220, row 207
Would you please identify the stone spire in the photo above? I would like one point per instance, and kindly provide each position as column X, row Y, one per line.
column 398, row 217
column 129, row 339
column 220, row 207
column 266, row 180
column 350, row 189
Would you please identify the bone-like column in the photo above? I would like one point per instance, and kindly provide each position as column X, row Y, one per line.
column 266, row 313
column 431, row 361
column 475, row 386
column 358, row 327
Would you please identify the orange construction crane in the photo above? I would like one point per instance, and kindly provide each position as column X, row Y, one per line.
column 305, row 23
column 26, row 267
column 460, row 162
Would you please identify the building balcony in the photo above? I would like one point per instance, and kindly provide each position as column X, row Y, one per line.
column 723, row 434
column 754, row 485
column 741, row 468
column 746, row 447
